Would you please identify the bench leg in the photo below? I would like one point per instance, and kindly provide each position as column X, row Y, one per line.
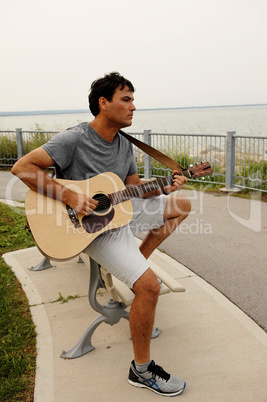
column 155, row 332
column 111, row 313
column 84, row 345
column 44, row 264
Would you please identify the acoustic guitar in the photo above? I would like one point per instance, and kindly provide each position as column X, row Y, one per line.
column 60, row 233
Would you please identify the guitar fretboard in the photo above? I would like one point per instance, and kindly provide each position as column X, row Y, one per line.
column 141, row 189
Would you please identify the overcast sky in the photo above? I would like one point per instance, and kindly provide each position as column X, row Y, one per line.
column 177, row 53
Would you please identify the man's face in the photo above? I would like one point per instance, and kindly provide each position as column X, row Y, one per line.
column 120, row 109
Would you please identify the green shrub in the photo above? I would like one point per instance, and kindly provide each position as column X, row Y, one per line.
column 254, row 175
column 8, row 150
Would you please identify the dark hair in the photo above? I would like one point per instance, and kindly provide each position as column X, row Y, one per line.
column 106, row 87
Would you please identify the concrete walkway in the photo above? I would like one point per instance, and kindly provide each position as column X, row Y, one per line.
column 206, row 340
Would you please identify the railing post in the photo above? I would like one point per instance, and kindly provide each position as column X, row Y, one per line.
column 147, row 158
column 20, row 149
column 230, row 161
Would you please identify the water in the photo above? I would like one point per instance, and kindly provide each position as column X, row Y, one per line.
column 245, row 120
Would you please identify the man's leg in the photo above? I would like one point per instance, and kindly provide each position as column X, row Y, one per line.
column 143, row 371
column 146, row 288
column 176, row 210
column 142, row 314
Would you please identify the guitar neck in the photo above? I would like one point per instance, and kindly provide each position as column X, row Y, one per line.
column 141, row 189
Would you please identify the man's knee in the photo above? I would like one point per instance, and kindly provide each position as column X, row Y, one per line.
column 185, row 206
column 147, row 285
column 177, row 205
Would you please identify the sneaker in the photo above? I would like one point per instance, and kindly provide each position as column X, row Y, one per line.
column 156, row 379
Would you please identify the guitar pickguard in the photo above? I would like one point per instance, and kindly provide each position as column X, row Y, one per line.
column 93, row 223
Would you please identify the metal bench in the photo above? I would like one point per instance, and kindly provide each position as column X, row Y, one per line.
column 112, row 311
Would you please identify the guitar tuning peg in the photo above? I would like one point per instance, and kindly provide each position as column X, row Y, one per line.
column 191, row 165
column 201, row 162
column 196, row 163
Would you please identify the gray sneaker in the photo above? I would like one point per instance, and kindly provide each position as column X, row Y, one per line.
column 156, row 379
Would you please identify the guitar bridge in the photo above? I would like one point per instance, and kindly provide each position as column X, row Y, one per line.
column 73, row 216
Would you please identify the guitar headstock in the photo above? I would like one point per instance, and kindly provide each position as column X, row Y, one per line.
column 200, row 170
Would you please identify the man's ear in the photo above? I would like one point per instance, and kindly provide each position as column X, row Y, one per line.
column 103, row 103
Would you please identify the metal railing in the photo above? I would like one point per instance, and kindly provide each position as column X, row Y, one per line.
column 237, row 161
column 250, row 169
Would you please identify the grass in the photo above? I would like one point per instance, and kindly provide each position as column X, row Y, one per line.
column 17, row 331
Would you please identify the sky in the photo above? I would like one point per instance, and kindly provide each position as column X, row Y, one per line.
column 177, row 53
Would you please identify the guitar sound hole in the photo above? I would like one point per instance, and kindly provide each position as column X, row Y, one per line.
column 103, row 203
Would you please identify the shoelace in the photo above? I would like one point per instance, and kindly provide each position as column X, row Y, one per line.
column 158, row 370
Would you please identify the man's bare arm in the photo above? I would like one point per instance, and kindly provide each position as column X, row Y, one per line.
column 29, row 169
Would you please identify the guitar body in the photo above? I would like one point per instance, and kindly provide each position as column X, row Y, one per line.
column 60, row 233
column 61, row 237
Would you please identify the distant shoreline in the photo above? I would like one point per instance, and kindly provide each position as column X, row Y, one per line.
column 80, row 111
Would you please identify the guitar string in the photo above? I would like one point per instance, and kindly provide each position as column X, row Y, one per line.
column 105, row 200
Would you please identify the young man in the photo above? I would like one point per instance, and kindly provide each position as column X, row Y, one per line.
column 92, row 148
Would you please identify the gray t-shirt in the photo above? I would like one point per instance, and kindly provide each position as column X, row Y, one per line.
column 81, row 153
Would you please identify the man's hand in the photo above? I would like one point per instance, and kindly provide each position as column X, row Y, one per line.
column 178, row 183
column 82, row 204
column 29, row 169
